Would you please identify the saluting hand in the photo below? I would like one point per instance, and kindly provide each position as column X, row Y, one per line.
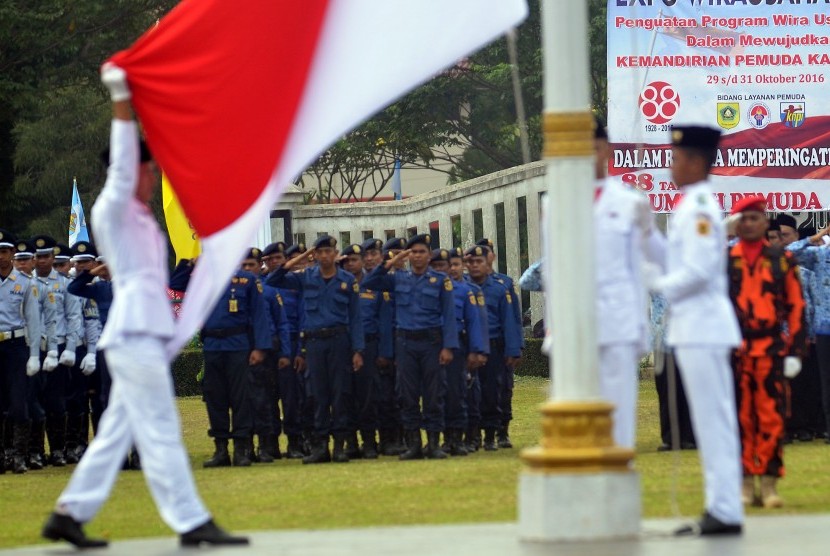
column 445, row 357
column 98, row 270
column 297, row 260
column 257, row 357
column 399, row 258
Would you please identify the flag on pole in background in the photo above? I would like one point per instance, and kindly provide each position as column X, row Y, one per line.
column 396, row 180
column 182, row 235
column 235, row 103
column 77, row 221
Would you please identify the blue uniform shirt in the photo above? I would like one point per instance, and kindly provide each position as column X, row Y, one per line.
column 516, row 304
column 241, row 307
column 421, row 301
column 278, row 323
column 501, row 319
column 816, row 259
column 468, row 316
column 99, row 291
column 386, row 345
column 372, row 310
column 328, row 303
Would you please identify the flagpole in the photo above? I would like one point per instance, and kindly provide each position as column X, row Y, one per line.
column 577, row 485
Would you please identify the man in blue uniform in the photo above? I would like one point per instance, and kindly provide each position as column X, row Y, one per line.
column 263, row 377
column 297, row 414
column 426, row 336
column 505, row 343
column 236, row 338
column 472, row 347
column 334, row 336
column 20, row 318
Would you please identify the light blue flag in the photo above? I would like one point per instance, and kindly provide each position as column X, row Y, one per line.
column 396, row 181
column 77, row 220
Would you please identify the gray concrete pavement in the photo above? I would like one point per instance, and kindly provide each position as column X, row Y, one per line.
column 801, row 535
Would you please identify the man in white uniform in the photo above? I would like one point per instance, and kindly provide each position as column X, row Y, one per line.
column 702, row 327
column 141, row 407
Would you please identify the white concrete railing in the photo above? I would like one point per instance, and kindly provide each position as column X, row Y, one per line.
column 474, row 207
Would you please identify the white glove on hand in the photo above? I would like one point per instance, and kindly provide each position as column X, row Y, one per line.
column 115, row 80
column 88, row 364
column 33, row 366
column 67, row 358
column 651, row 273
column 792, row 366
column 51, row 361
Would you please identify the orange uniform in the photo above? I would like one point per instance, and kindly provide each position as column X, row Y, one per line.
column 766, row 292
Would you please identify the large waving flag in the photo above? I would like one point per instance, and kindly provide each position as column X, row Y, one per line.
column 237, row 97
column 77, row 221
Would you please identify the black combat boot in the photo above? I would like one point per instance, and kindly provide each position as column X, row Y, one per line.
column 473, row 440
column 20, row 441
column 391, row 442
column 295, row 447
column 241, row 452
column 269, row 449
column 210, row 533
column 352, row 446
column 414, row 449
column 63, row 528
column 36, row 451
column 319, row 452
column 56, row 432
column 457, row 447
column 370, row 445
column 340, row 453
column 74, row 439
column 504, row 437
column 434, row 450
column 490, row 440
column 221, row 457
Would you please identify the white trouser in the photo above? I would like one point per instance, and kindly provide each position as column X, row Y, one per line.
column 618, row 380
column 141, row 410
column 710, row 389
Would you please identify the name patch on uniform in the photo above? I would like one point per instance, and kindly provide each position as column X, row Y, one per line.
column 367, row 295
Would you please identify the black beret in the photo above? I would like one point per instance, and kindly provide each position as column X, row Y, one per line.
column 254, row 253
column 774, row 226
column 44, row 245
column 84, row 250
column 440, row 255
column 477, row 251
column 373, row 243
column 325, row 241
column 144, row 153
column 484, row 242
column 273, row 248
column 62, row 251
column 295, row 249
column 420, row 239
column 394, row 243
column 353, row 249
column 7, row 239
column 786, row 220
column 695, row 137
column 456, row 253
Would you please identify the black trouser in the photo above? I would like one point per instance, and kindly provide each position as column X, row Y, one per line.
column 14, row 384
column 226, row 389
column 329, row 373
column 806, row 413
column 263, row 395
column 289, row 385
column 661, row 382
column 823, row 357
column 455, row 414
column 474, row 401
column 389, row 413
column 492, row 376
column 506, row 395
column 106, row 378
column 76, row 387
column 420, row 376
column 364, row 385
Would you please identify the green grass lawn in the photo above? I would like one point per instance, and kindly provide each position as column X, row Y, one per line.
column 478, row 488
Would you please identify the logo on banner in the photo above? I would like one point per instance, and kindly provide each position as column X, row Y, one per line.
column 759, row 115
column 793, row 113
column 659, row 102
column 729, row 114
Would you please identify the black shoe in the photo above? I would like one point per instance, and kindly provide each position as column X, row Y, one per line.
column 709, row 525
column 319, row 453
column 414, row 449
column 36, row 462
column 804, row 436
column 341, row 454
column 504, row 438
column 352, row 447
column 664, row 447
column 135, row 460
column 221, row 457
column 19, row 465
column 433, row 449
column 688, row 446
column 456, row 443
column 265, row 452
column 210, row 533
column 63, row 528
column 241, row 452
column 370, row 445
column 490, row 440
column 295, row 447
column 472, row 440
column 391, row 443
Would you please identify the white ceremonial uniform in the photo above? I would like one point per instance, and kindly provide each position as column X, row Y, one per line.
column 625, row 238
column 703, row 329
column 141, row 408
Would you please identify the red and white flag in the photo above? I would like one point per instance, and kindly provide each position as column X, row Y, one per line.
column 237, row 97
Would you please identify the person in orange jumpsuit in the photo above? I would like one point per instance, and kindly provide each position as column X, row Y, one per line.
column 766, row 292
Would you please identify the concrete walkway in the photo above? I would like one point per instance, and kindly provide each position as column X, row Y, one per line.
column 805, row 535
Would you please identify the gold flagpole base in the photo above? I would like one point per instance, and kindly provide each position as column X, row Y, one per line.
column 576, row 437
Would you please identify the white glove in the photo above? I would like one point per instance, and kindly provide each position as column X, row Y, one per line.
column 115, row 80
column 33, row 365
column 88, row 364
column 547, row 344
column 650, row 273
column 51, row 361
column 67, row 358
column 792, row 366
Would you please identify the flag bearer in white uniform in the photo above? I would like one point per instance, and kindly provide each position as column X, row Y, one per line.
column 703, row 329
column 141, row 407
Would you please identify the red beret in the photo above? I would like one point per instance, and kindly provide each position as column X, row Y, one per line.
column 751, row 202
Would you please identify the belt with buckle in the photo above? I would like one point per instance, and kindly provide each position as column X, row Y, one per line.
column 12, row 334
column 424, row 334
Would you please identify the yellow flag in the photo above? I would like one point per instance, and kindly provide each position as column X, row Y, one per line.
column 182, row 235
